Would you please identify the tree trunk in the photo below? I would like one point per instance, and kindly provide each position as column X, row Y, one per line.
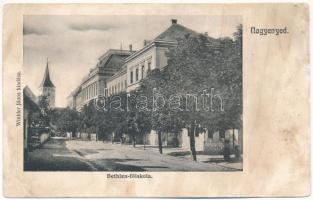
column 233, row 139
column 192, row 144
column 144, row 142
column 160, row 142
column 134, row 141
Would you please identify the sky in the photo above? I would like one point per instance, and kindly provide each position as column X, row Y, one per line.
column 73, row 44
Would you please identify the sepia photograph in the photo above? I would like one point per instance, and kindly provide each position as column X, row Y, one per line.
column 132, row 93
column 156, row 100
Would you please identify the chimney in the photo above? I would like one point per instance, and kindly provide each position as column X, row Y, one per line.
column 145, row 42
column 130, row 47
column 174, row 21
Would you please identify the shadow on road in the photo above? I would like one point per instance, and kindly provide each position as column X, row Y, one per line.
column 54, row 156
column 116, row 165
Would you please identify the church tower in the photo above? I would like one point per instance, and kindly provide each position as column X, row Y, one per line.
column 47, row 88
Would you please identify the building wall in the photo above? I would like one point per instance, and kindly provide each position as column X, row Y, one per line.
column 147, row 60
column 95, row 83
column 155, row 55
column 161, row 57
column 118, row 83
column 152, row 138
column 90, row 88
column 70, row 101
column 79, row 101
column 213, row 143
column 168, row 139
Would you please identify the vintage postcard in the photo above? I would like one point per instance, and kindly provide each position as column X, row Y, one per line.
column 156, row 100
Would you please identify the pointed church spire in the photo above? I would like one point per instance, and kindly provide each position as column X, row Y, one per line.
column 46, row 82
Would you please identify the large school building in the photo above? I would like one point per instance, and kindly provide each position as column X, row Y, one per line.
column 122, row 70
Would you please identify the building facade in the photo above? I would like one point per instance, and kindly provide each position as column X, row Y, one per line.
column 121, row 70
column 118, row 82
column 124, row 76
column 153, row 54
column 95, row 82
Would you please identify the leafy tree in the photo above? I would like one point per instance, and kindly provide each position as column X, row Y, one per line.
column 157, row 116
column 126, row 117
column 88, row 119
column 44, row 117
column 148, row 87
column 66, row 120
column 143, row 121
column 199, row 66
column 117, row 115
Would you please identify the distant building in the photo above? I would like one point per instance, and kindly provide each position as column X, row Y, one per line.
column 73, row 98
column 121, row 70
column 95, row 83
column 70, row 101
column 47, row 88
column 118, row 82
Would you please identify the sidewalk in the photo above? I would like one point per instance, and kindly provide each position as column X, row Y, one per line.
column 117, row 157
column 185, row 153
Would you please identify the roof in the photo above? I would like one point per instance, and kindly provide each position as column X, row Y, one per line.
column 76, row 91
column 110, row 52
column 174, row 32
column 122, row 71
column 105, row 57
column 46, row 81
column 170, row 37
column 30, row 100
column 104, row 61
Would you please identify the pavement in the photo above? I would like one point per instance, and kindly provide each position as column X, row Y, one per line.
column 59, row 154
column 201, row 156
column 54, row 156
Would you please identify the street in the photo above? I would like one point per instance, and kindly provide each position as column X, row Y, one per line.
column 54, row 156
column 59, row 154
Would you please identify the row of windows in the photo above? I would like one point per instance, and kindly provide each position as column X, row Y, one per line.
column 117, row 88
column 90, row 91
column 143, row 72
